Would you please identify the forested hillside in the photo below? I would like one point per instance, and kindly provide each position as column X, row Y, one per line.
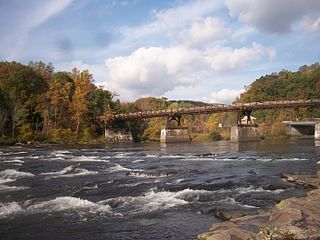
column 40, row 104
column 302, row 84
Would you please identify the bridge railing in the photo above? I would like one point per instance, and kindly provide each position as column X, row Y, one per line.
column 216, row 108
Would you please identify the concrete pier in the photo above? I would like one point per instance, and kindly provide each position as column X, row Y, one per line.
column 245, row 133
column 317, row 131
column 301, row 129
column 118, row 136
column 174, row 135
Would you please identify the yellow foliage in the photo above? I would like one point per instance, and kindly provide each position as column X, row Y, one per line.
column 278, row 129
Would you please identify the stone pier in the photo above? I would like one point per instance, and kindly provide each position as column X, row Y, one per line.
column 174, row 135
column 245, row 133
column 118, row 136
column 317, row 131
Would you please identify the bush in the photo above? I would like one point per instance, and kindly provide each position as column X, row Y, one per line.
column 215, row 136
column 278, row 129
column 25, row 133
column 62, row 135
column 7, row 141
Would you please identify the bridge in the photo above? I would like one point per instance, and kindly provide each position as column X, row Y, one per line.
column 242, row 109
column 218, row 108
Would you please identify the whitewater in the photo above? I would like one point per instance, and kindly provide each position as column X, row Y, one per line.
column 142, row 191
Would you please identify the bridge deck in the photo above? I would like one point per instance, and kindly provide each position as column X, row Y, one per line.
column 217, row 108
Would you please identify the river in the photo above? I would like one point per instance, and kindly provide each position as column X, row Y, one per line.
column 142, row 191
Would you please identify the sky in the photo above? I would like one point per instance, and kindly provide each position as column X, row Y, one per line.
column 204, row 50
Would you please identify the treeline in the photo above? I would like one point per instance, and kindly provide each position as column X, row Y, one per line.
column 285, row 85
column 39, row 104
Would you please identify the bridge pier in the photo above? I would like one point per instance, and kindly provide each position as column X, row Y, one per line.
column 245, row 133
column 317, row 131
column 174, row 135
column 118, row 136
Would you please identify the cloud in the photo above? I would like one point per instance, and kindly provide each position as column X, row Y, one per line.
column 224, row 95
column 170, row 20
column 202, row 32
column 226, row 58
column 156, row 71
column 272, row 15
column 311, row 24
column 152, row 71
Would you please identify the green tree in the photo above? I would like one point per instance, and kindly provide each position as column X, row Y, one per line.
column 20, row 87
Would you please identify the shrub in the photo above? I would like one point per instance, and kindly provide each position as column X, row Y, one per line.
column 215, row 136
column 278, row 129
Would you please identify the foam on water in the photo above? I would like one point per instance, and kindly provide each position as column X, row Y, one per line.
column 10, row 175
column 59, row 204
column 4, row 188
column 14, row 161
column 12, row 153
column 118, row 167
column 87, row 159
column 155, row 201
column 68, row 204
column 251, row 189
column 292, row 159
column 233, row 202
column 137, row 161
column 11, row 208
column 141, row 174
column 70, row 171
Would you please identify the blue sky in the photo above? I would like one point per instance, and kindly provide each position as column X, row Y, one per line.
column 205, row 50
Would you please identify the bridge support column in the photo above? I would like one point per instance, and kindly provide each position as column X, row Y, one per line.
column 174, row 135
column 118, row 136
column 245, row 133
column 317, row 131
column 173, row 132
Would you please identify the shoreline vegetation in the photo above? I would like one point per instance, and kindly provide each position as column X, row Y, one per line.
column 38, row 104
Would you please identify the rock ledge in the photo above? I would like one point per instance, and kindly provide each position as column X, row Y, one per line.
column 292, row 218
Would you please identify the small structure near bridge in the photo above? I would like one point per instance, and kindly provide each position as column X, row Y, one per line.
column 174, row 133
column 302, row 128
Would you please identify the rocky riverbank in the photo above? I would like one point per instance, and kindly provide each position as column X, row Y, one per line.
column 292, row 218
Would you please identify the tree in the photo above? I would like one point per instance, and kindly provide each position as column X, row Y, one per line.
column 83, row 87
column 20, row 87
column 100, row 106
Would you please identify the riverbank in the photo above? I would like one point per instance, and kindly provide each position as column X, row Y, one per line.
column 292, row 218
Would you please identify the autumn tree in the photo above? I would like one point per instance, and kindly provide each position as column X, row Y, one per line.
column 83, row 87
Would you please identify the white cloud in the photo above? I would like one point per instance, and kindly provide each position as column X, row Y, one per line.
column 224, row 95
column 171, row 20
column 272, row 15
column 311, row 24
column 152, row 71
column 226, row 58
column 202, row 32
column 157, row 71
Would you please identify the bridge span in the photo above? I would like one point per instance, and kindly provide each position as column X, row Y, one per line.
column 218, row 108
column 239, row 132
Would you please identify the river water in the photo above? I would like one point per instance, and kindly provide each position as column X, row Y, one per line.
column 142, row 191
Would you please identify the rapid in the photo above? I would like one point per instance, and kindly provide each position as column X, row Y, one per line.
column 142, row 191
